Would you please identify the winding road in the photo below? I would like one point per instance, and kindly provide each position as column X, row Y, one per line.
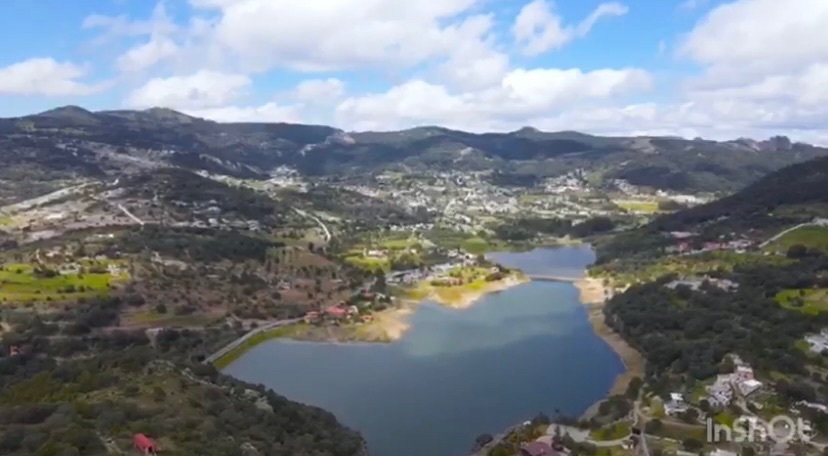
column 236, row 343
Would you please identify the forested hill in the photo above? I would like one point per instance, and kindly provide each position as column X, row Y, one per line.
column 71, row 141
column 785, row 198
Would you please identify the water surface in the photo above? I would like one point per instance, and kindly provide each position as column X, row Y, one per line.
column 456, row 373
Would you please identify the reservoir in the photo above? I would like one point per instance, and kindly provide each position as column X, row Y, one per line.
column 456, row 373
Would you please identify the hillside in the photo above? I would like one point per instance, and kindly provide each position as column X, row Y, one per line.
column 39, row 151
column 788, row 197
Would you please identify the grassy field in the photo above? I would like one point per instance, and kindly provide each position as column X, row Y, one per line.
column 684, row 265
column 807, row 301
column 613, row 431
column 21, row 283
column 644, row 206
column 809, row 236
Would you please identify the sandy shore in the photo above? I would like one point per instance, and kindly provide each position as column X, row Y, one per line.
column 468, row 297
column 594, row 294
column 389, row 325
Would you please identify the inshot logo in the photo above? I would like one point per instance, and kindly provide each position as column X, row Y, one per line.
column 780, row 428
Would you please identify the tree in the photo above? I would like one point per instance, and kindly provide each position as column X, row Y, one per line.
column 797, row 251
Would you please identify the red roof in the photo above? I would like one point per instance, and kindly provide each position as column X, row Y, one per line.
column 333, row 310
column 537, row 449
column 143, row 443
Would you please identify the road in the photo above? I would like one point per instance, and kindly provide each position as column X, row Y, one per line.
column 315, row 219
column 552, row 278
column 815, row 222
column 130, row 214
column 233, row 345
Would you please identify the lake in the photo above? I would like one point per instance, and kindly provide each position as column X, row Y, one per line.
column 456, row 373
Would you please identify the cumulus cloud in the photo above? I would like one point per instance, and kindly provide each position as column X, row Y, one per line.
column 538, row 28
column 45, row 76
column 340, row 34
column 760, row 67
column 522, row 94
column 204, row 89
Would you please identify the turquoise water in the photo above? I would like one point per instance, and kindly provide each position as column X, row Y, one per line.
column 456, row 373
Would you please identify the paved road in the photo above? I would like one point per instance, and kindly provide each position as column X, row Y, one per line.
column 315, row 219
column 233, row 345
column 815, row 222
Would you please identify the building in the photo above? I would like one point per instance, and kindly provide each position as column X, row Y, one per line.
column 336, row 312
column 144, row 444
column 720, row 393
column 748, row 387
column 720, row 452
column 676, row 404
column 537, row 448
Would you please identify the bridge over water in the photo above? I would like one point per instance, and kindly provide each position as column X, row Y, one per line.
column 552, row 278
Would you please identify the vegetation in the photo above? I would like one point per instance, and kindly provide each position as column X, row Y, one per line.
column 761, row 210
column 685, row 332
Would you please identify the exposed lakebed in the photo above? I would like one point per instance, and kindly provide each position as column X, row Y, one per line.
column 456, row 373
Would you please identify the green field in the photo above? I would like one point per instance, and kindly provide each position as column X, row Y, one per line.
column 21, row 283
column 807, row 301
column 809, row 236
column 684, row 265
column 613, row 431
column 638, row 206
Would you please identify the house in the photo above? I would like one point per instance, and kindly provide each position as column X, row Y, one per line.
column 336, row 312
column 676, row 404
column 311, row 316
column 748, row 387
column 352, row 310
column 720, row 452
column 537, row 448
column 14, row 350
column 144, row 444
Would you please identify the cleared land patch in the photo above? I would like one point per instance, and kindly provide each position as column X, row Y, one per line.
column 810, row 236
column 808, row 301
column 26, row 283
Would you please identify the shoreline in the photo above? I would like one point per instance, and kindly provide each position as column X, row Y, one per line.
column 388, row 326
column 593, row 294
column 469, row 297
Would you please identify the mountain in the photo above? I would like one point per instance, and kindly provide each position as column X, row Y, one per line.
column 785, row 198
column 71, row 142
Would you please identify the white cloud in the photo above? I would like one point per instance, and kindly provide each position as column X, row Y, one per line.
column 339, row 34
column 760, row 36
column 538, row 28
column 44, row 76
column 268, row 112
column 319, row 90
column 521, row 96
column 204, row 89
column 147, row 55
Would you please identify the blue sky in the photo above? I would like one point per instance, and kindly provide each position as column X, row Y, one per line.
column 686, row 67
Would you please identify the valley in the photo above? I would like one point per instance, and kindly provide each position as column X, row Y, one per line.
column 174, row 247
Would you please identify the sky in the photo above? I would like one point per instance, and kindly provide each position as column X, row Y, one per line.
column 716, row 69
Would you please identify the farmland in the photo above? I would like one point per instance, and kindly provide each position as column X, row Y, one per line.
column 810, row 236
column 26, row 283
column 808, row 301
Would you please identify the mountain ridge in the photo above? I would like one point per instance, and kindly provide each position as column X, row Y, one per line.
column 113, row 142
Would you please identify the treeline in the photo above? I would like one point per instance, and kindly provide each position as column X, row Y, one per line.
column 194, row 244
column 792, row 195
column 687, row 332
column 527, row 228
column 77, row 395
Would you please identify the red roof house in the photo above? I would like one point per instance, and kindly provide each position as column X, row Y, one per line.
column 144, row 444
column 336, row 311
column 537, row 448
